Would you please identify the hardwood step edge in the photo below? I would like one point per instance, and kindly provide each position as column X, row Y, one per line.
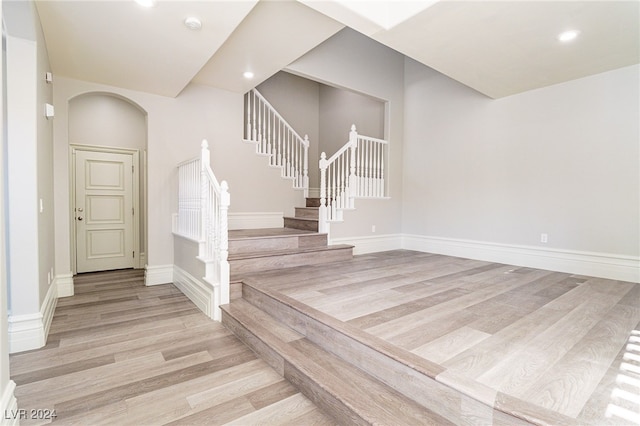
column 288, row 252
column 305, row 219
column 302, row 233
column 303, row 372
column 500, row 402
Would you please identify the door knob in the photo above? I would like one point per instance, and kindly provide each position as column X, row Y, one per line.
column 79, row 217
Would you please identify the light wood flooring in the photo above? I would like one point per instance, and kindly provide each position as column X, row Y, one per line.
column 566, row 343
column 120, row 353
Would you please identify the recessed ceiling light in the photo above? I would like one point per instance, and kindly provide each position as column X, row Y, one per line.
column 193, row 23
column 568, row 35
column 146, row 3
column 248, row 75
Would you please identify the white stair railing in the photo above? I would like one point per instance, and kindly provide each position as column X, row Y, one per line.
column 203, row 206
column 355, row 171
column 275, row 138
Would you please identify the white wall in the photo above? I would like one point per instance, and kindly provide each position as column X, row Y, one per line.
column 7, row 386
column 562, row 160
column 175, row 129
column 352, row 61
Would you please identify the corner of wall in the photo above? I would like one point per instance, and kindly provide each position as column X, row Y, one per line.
column 27, row 332
column 158, row 275
column 64, row 283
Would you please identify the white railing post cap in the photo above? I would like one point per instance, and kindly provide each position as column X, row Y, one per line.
column 204, row 144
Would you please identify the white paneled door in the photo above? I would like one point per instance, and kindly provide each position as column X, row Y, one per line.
column 104, row 211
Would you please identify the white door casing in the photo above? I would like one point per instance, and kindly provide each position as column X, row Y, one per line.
column 104, row 210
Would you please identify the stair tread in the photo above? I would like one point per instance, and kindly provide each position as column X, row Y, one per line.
column 280, row 330
column 257, row 254
column 301, row 218
column 372, row 400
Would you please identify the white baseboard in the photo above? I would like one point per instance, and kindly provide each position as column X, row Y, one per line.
column 48, row 307
column 27, row 332
column 363, row 245
column 157, row 275
column 256, row 220
column 9, row 405
column 64, row 283
column 603, row 265
column 200, row 292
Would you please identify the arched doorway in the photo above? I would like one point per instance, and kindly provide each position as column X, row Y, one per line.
column 107, row 138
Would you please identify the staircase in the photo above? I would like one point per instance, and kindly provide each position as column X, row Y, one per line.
column 354, row 377
column 297, row 244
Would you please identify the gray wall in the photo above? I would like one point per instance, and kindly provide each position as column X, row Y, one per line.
column 297, row 100
column 29, row 158
column 323, row 112
column 339, row 109
column 562, row 160
column 339, row 62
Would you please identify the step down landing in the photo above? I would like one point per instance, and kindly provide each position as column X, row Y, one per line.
column 358, row 378
column 257, row 250
column 342, row 390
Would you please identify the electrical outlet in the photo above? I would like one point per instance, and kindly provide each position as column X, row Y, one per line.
column 544, row 238
column 373, row 228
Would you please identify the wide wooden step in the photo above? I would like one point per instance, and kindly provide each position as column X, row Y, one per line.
column 344, row 391
column 270, row 239
column 242, row 263
column 456, row 399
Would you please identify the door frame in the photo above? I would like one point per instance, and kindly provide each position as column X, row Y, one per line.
column 135, row 156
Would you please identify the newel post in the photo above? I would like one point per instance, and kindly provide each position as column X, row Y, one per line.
column 353, row 180
column 322, row 214
column 305, row 167
column 204, row 190
column 225, row 201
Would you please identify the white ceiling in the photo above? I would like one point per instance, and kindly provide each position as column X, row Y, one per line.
column 499, row 48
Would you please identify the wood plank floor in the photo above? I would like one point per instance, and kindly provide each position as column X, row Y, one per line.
column 120, row 353
column 563, row 342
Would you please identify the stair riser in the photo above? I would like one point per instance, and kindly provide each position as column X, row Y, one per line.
column 425, row 390
column 307, row 213
column 263, row 350
column 313, row 202
column 288, row 260
column 328, row 402
column 235, row 291
column 276, row 243
column 305, row 225
column 304, row 379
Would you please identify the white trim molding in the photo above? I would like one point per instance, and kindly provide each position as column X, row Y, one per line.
column 27, row 332
column 603, row 265
column 64, row 282
column 9, row 405
column 157, row 275
column 200, row 292
column 363, row 245
column 48, row 308
column 249, row 220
